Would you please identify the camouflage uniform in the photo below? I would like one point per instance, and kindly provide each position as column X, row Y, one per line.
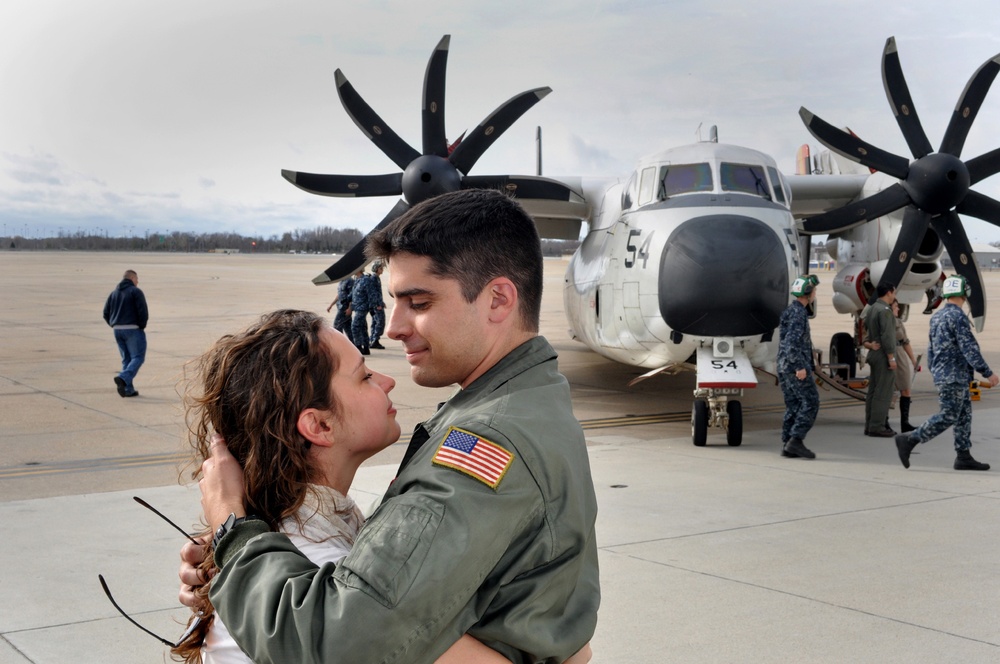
column 342, row 321
column 952, row 356
column 360, row 303
column 377, row 307
column 795, row 352
column 880, row 324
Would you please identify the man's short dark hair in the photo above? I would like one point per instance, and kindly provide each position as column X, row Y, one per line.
column 471, row 236
column 885, row 288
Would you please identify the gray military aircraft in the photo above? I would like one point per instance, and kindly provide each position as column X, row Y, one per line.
column 687, row 263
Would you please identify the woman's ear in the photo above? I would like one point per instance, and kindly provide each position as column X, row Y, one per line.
column 314, row 425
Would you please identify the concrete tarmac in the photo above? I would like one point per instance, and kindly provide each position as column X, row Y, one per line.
column 713, row 554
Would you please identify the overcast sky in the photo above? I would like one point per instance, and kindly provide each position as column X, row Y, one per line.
column 137, row 117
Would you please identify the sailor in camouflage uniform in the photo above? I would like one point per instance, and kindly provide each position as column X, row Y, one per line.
column 342, row 321
column 377, row 305
column 795, row 369
column 953, row 356
column 361, row 303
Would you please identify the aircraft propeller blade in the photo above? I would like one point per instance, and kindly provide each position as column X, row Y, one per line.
column 980, row 206
column 911, row 234
column 489, row 130
column 983, row 166
column 901, row 102
column 968, row 106
column 369, row 122
column 521, row 186
column 434, row 138
column 853, row 148
column 356, row 186
column 354, row 259
column 956, row 242
column 440, row 168
column 854, row 214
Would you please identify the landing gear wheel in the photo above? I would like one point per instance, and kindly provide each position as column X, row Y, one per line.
column 699, row 423
column 842, row 352
column 734, row 430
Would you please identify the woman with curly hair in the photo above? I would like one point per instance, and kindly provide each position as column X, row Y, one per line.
column 300, row 411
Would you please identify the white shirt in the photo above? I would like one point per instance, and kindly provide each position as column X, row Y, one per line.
column 330, row 522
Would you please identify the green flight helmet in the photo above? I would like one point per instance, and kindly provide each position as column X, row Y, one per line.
column 804, row 285
column 955, row 286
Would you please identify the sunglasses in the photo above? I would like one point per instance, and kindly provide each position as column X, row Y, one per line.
column 107, row 591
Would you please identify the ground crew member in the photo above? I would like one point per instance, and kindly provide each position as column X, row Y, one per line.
column 377, row 305
column 360, row 304
column 795, row 369
column 342, row 321
column 953, row 356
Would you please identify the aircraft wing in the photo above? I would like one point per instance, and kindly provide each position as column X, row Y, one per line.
column 815, row 194
column 562, row 220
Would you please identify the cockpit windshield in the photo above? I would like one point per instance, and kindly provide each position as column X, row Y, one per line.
column 744, row 178
column 683, row 179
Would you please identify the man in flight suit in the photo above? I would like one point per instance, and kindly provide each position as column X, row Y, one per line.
column 953, row 356
column 795, row 370
column 488, row 528
column 880, row 327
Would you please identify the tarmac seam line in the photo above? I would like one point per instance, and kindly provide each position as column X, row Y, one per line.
column 767, row 524
column 811, row 599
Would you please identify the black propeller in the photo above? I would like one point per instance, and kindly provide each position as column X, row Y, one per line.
column 934, row 188
column 437, row 170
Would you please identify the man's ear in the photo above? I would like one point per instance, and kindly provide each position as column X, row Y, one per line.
column 314, row 425
column 503, row 298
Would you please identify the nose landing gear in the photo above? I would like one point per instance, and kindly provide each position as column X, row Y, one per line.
column 717, row 408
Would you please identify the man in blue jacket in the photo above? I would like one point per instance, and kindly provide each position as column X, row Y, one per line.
column 125, row 311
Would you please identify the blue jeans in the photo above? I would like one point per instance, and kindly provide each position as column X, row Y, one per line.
column 132, row 346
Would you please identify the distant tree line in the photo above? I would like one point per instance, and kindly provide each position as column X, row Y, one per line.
column 322, row 240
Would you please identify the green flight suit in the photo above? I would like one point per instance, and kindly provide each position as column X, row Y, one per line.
column 445, row 553
column 880, row 326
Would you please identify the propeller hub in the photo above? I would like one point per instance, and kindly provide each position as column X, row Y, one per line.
column 429, row 176
column 937, row 182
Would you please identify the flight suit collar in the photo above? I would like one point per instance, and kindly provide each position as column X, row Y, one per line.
column 529, row 354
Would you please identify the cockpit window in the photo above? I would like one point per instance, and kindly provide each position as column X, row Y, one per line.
column 646, row 185
column 744, row 178
column 683, row 179
column 776, row 184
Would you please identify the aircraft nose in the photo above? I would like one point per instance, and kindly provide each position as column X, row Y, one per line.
column 723, row 275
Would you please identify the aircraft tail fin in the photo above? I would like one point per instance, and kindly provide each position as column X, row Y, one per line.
column 803, row 160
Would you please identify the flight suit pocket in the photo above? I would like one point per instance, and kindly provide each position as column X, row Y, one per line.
column 391, row 549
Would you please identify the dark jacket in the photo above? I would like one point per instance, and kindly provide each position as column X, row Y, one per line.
column 126, row 306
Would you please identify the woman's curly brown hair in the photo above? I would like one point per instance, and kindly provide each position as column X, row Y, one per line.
column 250, row 388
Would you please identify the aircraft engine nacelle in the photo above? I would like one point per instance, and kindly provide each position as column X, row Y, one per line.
column 930, row 248
column 920, row 277
column 851, row 288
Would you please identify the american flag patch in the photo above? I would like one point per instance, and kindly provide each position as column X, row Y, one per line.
column 476, row 457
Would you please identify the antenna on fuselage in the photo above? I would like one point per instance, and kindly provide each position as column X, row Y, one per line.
column 538, row 150
column 713, row 133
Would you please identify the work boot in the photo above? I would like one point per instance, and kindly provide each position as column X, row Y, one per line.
column 905, row 445
column 785, row 452
column 964, row 461
column 904, row 415
column 795, row 448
